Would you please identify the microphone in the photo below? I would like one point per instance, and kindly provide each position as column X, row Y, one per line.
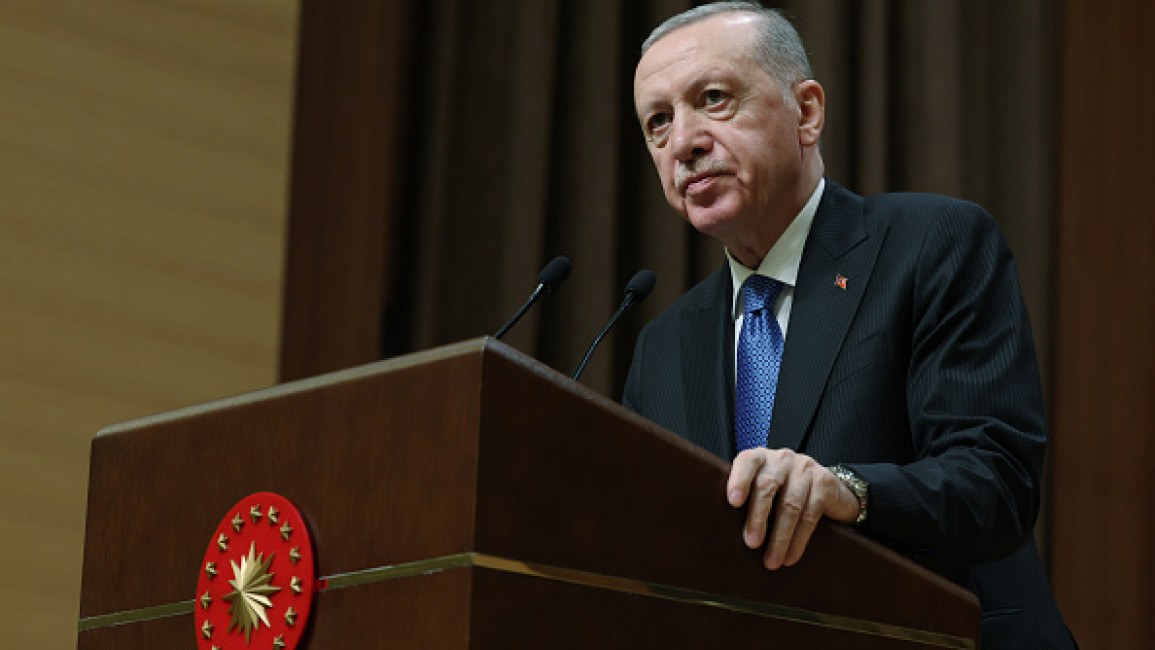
column 550, row 278
column 637, row 289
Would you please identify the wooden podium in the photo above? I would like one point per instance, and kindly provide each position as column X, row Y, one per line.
column 470, row 497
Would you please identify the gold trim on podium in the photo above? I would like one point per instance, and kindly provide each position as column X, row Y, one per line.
column 573, row 576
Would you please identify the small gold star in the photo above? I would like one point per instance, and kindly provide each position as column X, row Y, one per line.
column 295, row 584
column 279, row 642
column 216, row 647
column 273, row 515
column 255, row 513
column 207, row 629
column 211, row 570
column 238, row 523
column 206, row 600
column 295, row 554
column 286, row 530
column 223, row 542
column 290, row 617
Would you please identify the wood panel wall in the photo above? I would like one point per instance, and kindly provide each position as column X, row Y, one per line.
column 143, row 166
column 1103, row 520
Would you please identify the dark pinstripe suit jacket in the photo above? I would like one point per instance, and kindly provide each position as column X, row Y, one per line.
column 920, row 374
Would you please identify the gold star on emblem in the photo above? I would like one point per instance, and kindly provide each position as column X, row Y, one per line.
column 211, row 570
column 207, row 629
column 251, row 591
column 295, row 554
column 286, row 530
column 290, row 617
column 255, row 513
column 295, row 584
column 238, row 523
column 206, row 600
column 223, row 542
column 273, row 515
column 279, row 642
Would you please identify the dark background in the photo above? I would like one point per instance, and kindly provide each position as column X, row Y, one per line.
column 445, row 150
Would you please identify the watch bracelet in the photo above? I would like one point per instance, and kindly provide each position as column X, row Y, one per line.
column 858, row 487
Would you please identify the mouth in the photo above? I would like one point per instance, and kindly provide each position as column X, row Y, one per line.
column 697, row 182
column 690, row 181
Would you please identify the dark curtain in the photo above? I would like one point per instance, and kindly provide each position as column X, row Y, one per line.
column 444, row 150
column 521, row 144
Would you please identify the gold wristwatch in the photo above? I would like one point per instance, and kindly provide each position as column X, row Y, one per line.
column 859, row 487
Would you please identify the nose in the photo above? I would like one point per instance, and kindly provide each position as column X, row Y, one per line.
column 690, row 138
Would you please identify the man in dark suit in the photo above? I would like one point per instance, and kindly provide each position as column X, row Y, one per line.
column 888, row 381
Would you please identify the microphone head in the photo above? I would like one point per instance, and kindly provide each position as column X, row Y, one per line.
column 555, row 273
column 641, row 285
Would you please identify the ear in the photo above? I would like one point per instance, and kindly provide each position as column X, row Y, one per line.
column 811, row 100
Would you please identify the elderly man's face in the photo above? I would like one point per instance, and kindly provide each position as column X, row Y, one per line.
column 729, row 147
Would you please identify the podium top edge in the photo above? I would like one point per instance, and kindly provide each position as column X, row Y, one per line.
column 480, row 346
column 463, row 348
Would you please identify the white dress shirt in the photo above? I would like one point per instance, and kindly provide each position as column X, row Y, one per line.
column 781, row 264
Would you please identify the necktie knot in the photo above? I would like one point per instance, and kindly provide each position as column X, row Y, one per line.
column 759, row 292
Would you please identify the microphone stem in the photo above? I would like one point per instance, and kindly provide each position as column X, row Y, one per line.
column 593, row 346
column 521, row 312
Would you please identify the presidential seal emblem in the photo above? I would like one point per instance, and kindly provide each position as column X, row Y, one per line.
column 257, row 578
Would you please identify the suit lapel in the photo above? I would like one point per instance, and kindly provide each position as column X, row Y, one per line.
column 707, row 381
column 836, row 265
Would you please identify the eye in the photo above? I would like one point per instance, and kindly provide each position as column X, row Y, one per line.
column 713, row 97
column 657, row 123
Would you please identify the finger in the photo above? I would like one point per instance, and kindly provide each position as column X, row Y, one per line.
column 759, row 505
column 788, row 511
column 816, row 506
column 746, row 466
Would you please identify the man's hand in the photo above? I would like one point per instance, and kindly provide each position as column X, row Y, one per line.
column 805, row 492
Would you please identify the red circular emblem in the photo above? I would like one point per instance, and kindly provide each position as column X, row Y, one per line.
column 256, row 581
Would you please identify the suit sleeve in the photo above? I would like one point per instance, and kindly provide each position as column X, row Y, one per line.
column 974, row 398
column 631, row 393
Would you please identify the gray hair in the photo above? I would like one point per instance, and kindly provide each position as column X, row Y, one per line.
column 778, row 47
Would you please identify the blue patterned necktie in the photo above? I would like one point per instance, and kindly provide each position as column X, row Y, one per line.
column 759, row 358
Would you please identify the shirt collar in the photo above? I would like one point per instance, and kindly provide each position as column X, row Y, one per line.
column 782, row 261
